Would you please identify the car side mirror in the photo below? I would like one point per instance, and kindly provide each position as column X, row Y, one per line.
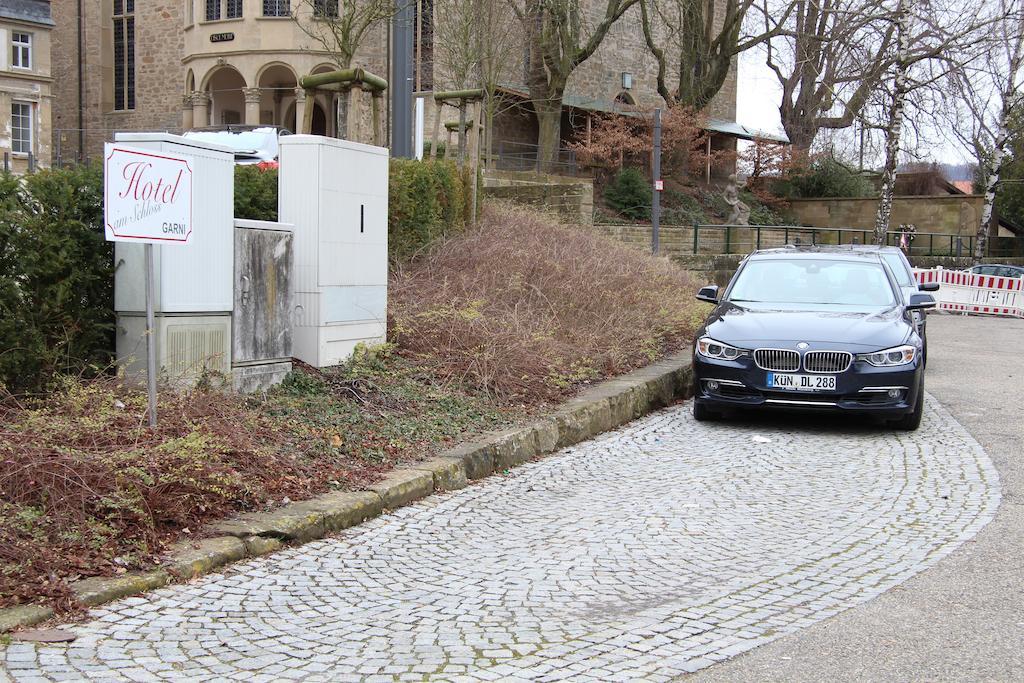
column 928, row 286
column 709, row 294
column 920, row 302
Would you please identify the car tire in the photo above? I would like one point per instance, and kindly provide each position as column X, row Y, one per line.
column 701, row 412
column 911, row 421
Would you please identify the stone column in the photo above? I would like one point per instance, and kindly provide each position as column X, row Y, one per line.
column 186, row 112
column 253, row 98
column 300, row 110
column 200, row 109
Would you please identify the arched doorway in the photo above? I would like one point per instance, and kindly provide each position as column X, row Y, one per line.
column 319, row 125
column 227, row 102
column 277, row 83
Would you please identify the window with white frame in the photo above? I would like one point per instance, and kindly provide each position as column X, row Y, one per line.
column 21, row 50
column 21, row 127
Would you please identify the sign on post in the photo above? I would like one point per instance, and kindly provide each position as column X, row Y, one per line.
column 147, row 198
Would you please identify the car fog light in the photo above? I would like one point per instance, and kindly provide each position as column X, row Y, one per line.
column 894, row 394
column 712, row 385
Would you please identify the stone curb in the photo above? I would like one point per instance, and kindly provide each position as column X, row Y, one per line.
column 598, row 409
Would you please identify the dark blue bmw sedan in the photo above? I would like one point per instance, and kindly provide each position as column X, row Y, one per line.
column 811, row 329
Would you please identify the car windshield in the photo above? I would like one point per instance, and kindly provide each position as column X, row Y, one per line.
column 898, row 268
column 813, row 281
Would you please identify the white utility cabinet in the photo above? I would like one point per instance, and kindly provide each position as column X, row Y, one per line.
column 335, row 193
column 194, row 294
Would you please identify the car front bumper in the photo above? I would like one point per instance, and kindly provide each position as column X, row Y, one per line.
column 863, row 388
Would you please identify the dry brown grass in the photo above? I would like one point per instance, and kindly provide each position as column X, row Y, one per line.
column 87, row 488
column 529, row 310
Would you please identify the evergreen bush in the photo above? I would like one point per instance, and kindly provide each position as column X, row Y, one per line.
column 256, row 193
column 629, row 193
column 56, row 276
column 426, row 201
column 824, row 178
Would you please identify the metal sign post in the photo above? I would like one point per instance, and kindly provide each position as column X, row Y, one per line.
column 150, row 340
column 147, row 198
column 658, row 184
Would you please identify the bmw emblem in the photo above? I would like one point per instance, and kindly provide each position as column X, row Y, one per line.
column 802, row 346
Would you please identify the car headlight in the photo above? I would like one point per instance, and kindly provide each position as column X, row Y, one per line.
column 711, row 348
column 887, row 358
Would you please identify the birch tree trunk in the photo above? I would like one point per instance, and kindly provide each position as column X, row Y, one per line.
column 894, row 127
column 992, row 179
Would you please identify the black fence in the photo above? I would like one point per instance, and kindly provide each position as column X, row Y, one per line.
column 741, row 239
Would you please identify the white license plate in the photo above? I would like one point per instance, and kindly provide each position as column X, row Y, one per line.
column 801, row 382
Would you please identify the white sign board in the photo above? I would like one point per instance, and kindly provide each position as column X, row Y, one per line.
column 147, row 197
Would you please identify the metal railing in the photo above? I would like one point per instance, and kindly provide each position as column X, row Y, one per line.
column 700, row 238
column 508, row 155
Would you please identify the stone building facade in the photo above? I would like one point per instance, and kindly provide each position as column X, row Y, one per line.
column 182, row 64
column 25, row 84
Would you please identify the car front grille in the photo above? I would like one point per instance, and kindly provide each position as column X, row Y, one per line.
column 777, row 360
column 827, row 361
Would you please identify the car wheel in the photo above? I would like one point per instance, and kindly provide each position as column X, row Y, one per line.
column 701, row 412
column 911, row 421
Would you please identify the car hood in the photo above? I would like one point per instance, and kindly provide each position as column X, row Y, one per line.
column 752, row 326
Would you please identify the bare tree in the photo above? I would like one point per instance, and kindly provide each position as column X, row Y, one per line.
column 340, row 28
column 983, row 97
column 478, row 44
column 699, row 44
column 559, row 36
column 828, row 56
column 932, row 41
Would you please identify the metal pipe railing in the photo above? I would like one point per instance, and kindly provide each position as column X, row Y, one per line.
column 727, row 239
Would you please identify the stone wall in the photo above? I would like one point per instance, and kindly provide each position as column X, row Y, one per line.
column 947, row 214
column 159, row 74
column 571, row 198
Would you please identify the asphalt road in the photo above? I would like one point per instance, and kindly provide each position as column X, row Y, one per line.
column 963, row 619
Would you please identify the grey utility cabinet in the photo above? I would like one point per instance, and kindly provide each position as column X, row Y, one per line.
column 261, row 326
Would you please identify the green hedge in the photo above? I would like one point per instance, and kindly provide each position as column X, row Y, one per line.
column 256, row 193
column 426, row 200
column 825, row 177
column 56, row 276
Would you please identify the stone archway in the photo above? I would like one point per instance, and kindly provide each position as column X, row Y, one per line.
column 225, row 89
column 274, row 96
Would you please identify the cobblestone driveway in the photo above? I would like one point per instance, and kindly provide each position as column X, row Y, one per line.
column 652, row 551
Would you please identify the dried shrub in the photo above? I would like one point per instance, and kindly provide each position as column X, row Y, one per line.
column 529, row 310
column 87, row 488
column 616, row 138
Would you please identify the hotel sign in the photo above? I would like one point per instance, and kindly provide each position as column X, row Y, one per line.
column 147, row 197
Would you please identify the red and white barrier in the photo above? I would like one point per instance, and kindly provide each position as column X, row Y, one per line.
column 963, row 292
